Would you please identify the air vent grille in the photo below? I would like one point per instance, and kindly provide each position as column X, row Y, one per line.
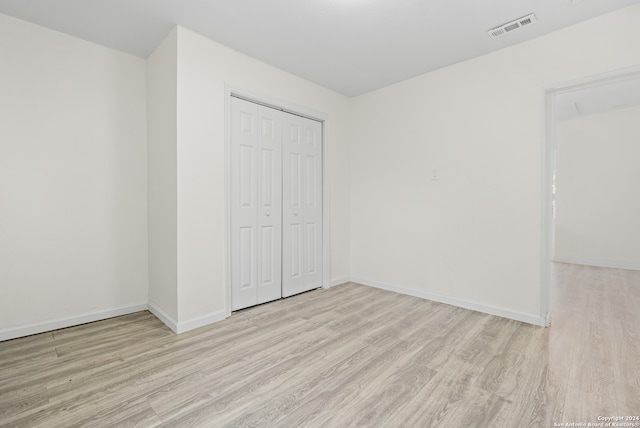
column 513, row 25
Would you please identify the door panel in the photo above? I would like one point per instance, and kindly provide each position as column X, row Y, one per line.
column 292, row 215
column 295, row 179
column 247, row 180
column 270, row 204
column 256, row 204
column 244, row 147
column 268, row 255
column 296, row 251
column 266, row 178
column 311, row 177
column 302, row 205
column 311, row 248
column 247, row 257
column 313, row 204
column 276, row 204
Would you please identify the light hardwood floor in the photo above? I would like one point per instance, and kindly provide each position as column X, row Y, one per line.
column 344, row 357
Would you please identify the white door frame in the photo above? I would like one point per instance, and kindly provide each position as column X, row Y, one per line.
column 326, row 223
column 549, row 170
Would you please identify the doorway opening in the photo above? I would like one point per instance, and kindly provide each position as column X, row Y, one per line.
column 566, row 106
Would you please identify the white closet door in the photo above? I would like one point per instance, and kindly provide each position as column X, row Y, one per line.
column 256, row 204
column 302, row 205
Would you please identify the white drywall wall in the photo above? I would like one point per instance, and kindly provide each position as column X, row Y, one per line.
column 73, row 171
column 162, row 69
column 598, row 199
column 473, row 235
column 73, row 211
column 204, row 68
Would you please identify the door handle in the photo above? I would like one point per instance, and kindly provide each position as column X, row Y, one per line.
column 295, row 213
column 267, row 213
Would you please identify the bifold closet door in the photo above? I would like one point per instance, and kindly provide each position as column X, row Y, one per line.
column 302, row 204
column 256, row 204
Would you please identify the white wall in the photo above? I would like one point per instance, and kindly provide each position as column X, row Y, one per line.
column 162, row 69
column 73, row 238
column 473, row 237
column 73, row 177
column 204, row 67
column 597, row 178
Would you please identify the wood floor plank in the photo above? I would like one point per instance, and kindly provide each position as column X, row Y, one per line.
column 383, row 350
column 560, row 355
column 627, row 402
column 15, row 351
column 515, row 359
column 20, row 401
column 319, row 392
column 31, row 360
column 346, row 356
column 24, row 344
column 591, row 334
column 625, row 351
column 229, row 399
column 133, row 413
column 142, row 376
column 449, row 399
column 43, row 372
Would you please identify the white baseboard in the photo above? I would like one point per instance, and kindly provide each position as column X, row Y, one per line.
column 504, row 313
column 201, row 321
column 181, row 327
column 163, row 316
column 41, row 327
column 338, row 281
column 28, row 330
column 598, row 263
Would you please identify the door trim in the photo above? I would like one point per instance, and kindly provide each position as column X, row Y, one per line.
column 549, row 170
column 298, row 110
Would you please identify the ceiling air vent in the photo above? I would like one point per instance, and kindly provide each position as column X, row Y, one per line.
column 513, row 25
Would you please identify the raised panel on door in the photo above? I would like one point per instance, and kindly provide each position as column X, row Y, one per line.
column 256, row 204
column 269, row 204
column 244, row 203
column 312, row 201
column 276, row 198
column 302, row 205
column 292, row 212
column 247, row 257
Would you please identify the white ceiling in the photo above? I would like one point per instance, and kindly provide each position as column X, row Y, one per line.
column 350, row 46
